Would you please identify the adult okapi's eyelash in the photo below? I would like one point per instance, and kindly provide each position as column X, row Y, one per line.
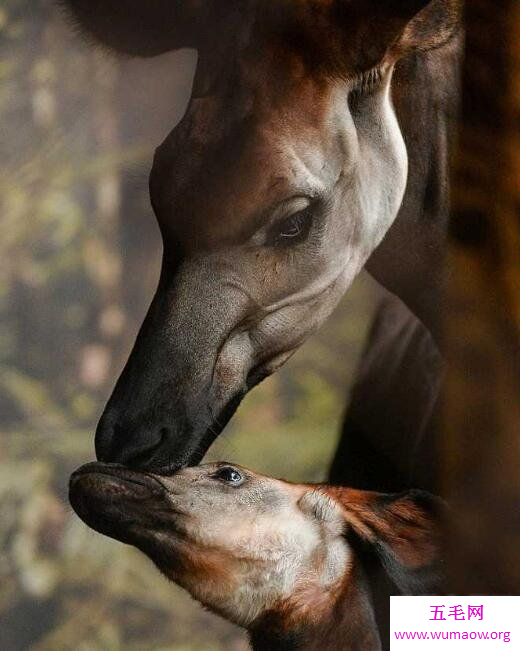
column 365, row 82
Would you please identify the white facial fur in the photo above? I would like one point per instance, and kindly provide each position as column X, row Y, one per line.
column 253, row 546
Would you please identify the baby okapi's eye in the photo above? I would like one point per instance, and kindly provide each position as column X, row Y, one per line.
column 229, row 475
column 291, row 230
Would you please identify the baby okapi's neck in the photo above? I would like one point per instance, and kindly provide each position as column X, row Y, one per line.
column 341, row 620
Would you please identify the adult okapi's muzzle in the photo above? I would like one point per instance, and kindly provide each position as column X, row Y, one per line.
column 188, row 370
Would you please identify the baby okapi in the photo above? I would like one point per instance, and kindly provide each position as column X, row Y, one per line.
column 288, row 562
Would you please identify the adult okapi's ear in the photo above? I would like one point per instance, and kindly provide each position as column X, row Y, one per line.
column 430, row 27
column 385, row 30
column 141, row 27
column 404, row 530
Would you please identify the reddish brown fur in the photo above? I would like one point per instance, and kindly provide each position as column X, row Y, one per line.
column 192, row 563
column 411, row 533
column 341, row 618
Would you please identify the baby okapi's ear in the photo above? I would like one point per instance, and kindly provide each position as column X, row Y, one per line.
column 141, row 27
column 404, row 531
column 386, row 30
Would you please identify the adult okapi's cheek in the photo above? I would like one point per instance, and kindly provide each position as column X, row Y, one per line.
column 282, row 331
column 233, row 364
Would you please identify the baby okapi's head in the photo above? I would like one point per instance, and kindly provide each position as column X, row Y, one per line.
column 248, row 546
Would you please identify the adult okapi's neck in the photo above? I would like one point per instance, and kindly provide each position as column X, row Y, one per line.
column 410, row 260
column 346, row 623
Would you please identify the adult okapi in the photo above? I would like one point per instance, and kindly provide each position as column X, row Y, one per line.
column 315, row 143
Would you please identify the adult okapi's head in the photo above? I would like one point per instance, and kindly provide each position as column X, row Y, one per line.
column 271, row 193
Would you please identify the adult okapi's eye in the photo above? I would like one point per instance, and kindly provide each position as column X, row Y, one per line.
column 291, row 230
column 229, row 475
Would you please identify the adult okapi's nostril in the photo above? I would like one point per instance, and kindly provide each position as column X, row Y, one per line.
column 117, row 443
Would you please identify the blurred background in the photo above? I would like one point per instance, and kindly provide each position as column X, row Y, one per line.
column 79, row 259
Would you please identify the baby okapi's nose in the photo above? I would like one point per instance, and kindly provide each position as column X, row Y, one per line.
column 143, row 446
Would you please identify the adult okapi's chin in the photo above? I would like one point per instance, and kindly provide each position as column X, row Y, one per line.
column 271, row 194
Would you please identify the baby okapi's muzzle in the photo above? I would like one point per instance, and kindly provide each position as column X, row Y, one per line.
column 280, row 559
column 115, row 501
